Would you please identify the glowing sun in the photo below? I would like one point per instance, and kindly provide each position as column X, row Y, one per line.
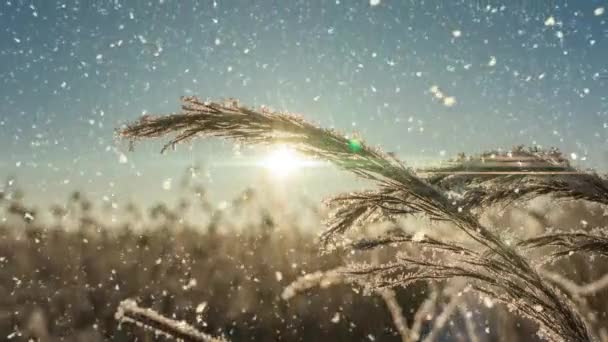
column 283, row 161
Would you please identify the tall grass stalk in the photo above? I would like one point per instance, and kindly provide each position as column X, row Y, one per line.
column 493, row 268
column 129, row 312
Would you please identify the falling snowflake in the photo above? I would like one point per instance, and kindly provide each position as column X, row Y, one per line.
column 201, row 307
column 336, row 318
column 122, row 158
column 449, row 101
column 492, row 61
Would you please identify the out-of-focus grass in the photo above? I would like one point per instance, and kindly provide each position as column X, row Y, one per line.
column 64, row 279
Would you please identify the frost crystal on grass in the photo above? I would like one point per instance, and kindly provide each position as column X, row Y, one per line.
column 129, row 312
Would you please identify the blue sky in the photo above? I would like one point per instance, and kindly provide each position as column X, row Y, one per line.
column 425, row 79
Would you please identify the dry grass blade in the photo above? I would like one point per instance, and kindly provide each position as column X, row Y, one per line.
column 427, row 309
column 129, row 312
column 362, row 208
column 397, row 236
column 508, row 189
column 469, row 324
column 569, row 243
column 589, row 289
column 396, row 312
column 442, row 319
column 555, row 314
column 579, row 294
column 243, row 124
column 341, row 276
column 519, row 175
column 337, row 277
column 321, row 279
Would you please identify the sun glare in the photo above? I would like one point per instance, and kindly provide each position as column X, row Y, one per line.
column 283, row 161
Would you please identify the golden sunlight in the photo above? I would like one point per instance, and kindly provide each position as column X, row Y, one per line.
column 283, row 160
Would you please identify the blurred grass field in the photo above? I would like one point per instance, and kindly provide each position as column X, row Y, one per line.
column 221, row 269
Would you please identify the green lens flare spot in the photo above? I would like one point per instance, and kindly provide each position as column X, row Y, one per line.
column 355, row 145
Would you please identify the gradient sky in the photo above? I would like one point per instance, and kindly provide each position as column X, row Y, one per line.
column 520, row 72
